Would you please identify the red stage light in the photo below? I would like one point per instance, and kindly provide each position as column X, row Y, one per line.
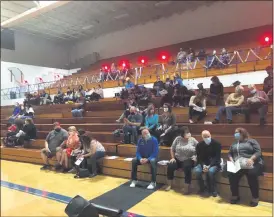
column 106, row 67
column 266, row 39
column 163, row 57
column 124, row 65
column 142, row 61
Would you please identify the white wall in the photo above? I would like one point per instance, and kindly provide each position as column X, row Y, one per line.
column 206, row 21
column 37, row 51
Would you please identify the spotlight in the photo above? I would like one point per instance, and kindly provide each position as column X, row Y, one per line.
column 163, row 57
column 266, row 39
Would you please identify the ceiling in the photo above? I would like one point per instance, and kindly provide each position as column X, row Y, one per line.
column 79, row 20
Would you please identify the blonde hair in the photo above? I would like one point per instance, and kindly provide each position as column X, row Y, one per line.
column 72, row 128
column 251, row 86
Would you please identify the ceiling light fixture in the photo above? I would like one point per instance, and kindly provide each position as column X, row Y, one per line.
column 162, row 3
column 121, row 16
column 88, row 27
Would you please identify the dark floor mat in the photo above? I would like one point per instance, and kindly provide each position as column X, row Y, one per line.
column 124, row 197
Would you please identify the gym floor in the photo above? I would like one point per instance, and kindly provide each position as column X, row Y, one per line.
column 27, row 191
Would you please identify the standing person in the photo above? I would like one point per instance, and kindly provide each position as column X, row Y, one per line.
column 183, row 155
column 165, row 132
column 248, row 152
column 197, row 106
column 258, row 101
column 208, row 162
column 53, row 143
column 129, row 84
column 93, row 150
column 216, row 92
column 233, row 104
column 147, row 153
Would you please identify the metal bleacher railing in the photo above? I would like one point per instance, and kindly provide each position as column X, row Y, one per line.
column 236, row 62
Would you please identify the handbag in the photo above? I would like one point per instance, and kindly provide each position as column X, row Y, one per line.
column 83, row 173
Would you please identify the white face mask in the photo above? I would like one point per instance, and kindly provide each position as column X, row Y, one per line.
column 253, row 91
column 165, row 109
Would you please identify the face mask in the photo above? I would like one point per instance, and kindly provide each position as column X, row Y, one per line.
column 165, row 109
column 147, row 137
column 253, row 91
column 132, row 113
column 207, row 140
column 237, row 136
column 57, row 129
column 188, row 135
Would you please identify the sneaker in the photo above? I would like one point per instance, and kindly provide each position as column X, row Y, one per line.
column 45, row 167
column 229, row 121
column 234, row 200
column 215, row 121
column 191, row 121
column 133, row 184
column 92, row 175
column 57, row 166
column 73, row 170
column 151, row 186
column 214, row 194
column 118, row 121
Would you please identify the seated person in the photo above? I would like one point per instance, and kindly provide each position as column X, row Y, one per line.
column 70, row 145
column 53, row 144
column 248, row 152
column 97, row 94
column 166, row 130
column 146, row 153
column 216, row 92
column 126, row 113
column 158, row 86
column 268, row 81
column 233, row 104
column 178, row 81
column 212, row 61
column 29, row 112
column 22, row 110
column 129, row 84
column 183, row 155
column 258, row 101
column 181, row 56
column 224, row 58
column 35, row 100
column 29, row 132
column 208, row 161
column 58, row 99
column 89, row 93
column 15, row 113
column 45, row 98
column 132, row 124
column 68, row 95
column 80, row 103
column 93, row 150
column 151, row 120
column 176, row 97
column 202, row 54
column 9, row 140
column 197, row 106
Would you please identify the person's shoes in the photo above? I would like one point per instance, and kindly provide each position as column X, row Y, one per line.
column 262, row 122
column 229, row 121
column 214, row 194
column 234, row 200
column 73, row 171
column 215, row 121
column 118, row 120
column 133, row 184
column 92, row 175
column 57, row 166
column 254, row 202
column 151, row 186
column 45, row 167
column 186, row 190
column 168, row 185
column 191, row 121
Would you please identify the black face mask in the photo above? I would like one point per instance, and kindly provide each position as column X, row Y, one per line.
column 57, row 129
column 132, row 113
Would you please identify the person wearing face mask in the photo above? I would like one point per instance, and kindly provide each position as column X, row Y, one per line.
column 146, row 153
column 208, row 162
column 54, row 141
column 15, row 113
column 132, row 124
column 165, row 131
column 183, row 155
column 257, row 102
column 151, row 120
column 216, row 92
column 248, row 152
column 233, row 104
column 197, row 106
column 268, row 81
column 129, row 84
column 126, row 113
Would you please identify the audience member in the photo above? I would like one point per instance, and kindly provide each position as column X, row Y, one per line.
column 29, row 112
column 151, row 120
column 158, row 86
column 11, row 138
column 166, row 130
column 131, row 127
column 58, row 98
column 176, row 97
column 212, row 61
column 248, row 152
column 178, row 81
column 129, row 84
column 197, row 106
column 183, row 155
column 202, row 54
column 181, row 56
column 28, row 132
column 93, row 150
column 224, row 58
column 258, row 101
column 147, row 152
column 80, row 103
column 53, row 144
column 208, row 162
column 268, row 81
column 216, row 92
column 15, row 113
column 126, row 113
column 233, row 104
column 45, row 98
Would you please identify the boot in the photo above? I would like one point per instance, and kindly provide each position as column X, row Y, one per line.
column 168, row 185
column 186, row 189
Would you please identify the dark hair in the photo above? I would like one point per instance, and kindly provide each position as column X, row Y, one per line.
column 29, row 120
column 99, row 86
column 80, row 87
column 149, row 108
column 85, row 140
column 29, row 105
column 243, row 133
column 19, row 123
column 184, row 130
column 168, row 106
column 215, row 79
column 199, row 97
column 81, row 132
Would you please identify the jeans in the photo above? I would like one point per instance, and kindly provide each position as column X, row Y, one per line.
column 260, row 108
column 252, row 179
column 187, row 165
column 153, row 166
column 193, row 112
column 130, row 130
column 228, row 110
column 92, row 161
column 211, row 182
column 77, row 112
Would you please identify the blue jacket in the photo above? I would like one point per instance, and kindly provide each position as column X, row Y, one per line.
column 129, row 85
column 152, row 121
column 180, row 81
column 147, row 149
column 16, row 110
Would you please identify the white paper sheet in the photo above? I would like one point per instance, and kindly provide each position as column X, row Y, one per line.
column 79, row 161
column 111, row 157
column 128, row 159
column 163, row 162
column 233, row 167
